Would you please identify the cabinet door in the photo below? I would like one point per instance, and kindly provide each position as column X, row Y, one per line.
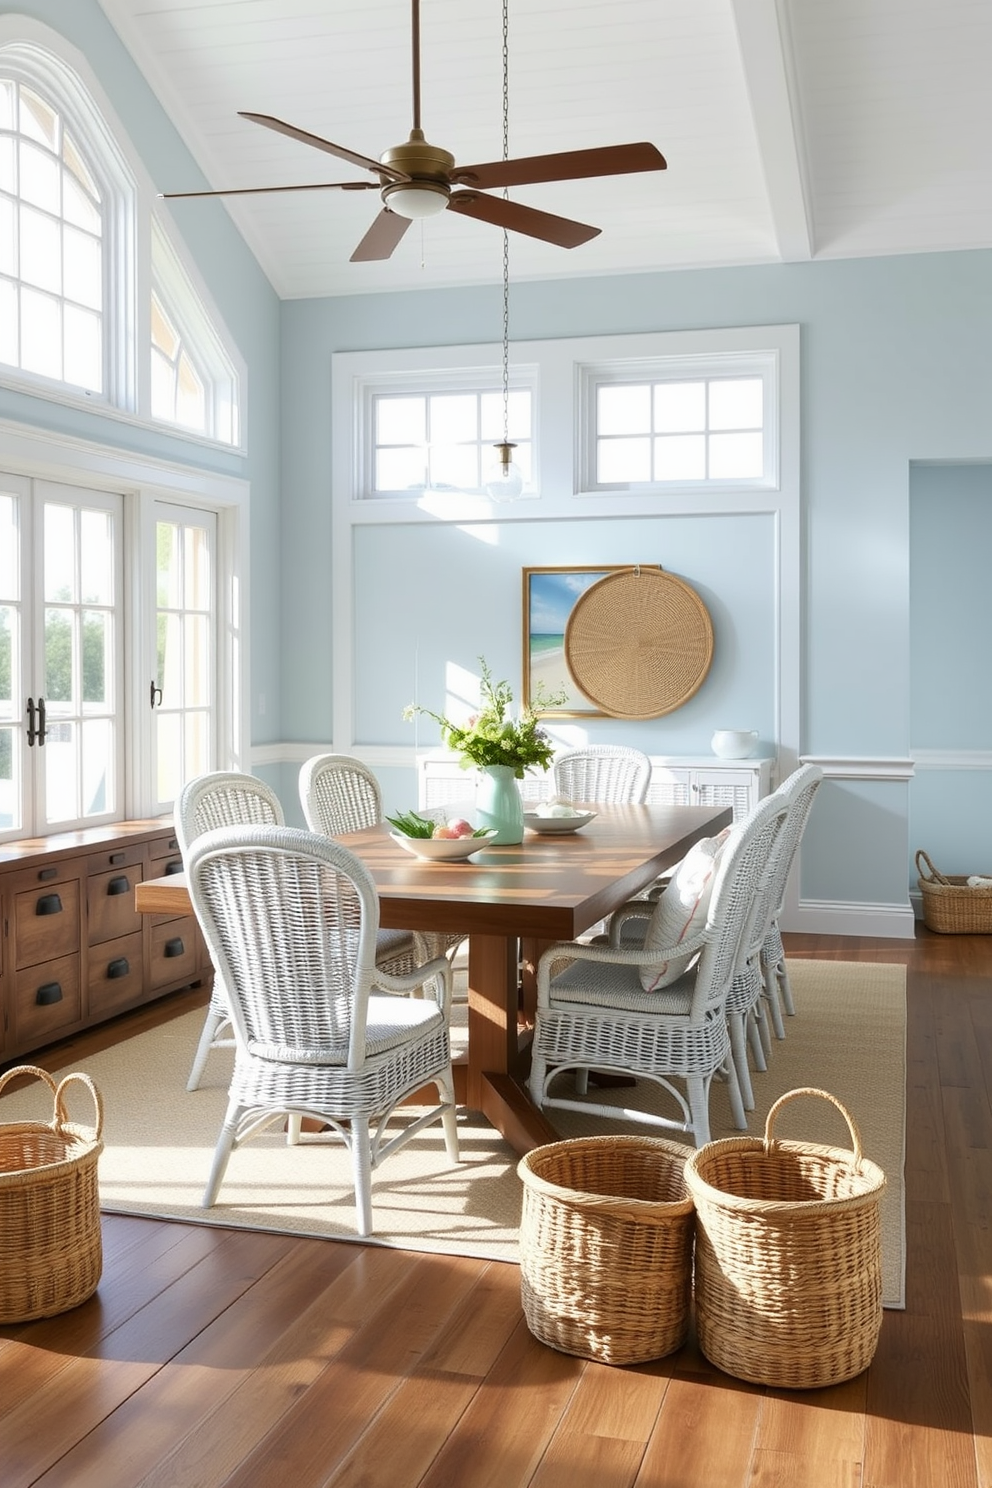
column 669, row 786
column 736, row 788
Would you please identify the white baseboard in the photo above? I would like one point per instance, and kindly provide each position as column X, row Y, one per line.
column 834, row 917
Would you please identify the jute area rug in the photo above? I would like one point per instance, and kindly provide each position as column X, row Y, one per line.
column 848, row 1037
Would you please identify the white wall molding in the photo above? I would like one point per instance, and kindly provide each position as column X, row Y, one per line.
column 850, row 767
column 952, row 759
column 836, row 917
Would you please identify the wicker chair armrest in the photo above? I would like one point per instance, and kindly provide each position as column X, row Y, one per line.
column 576, row 950
column 434, row 976
column 634, row 909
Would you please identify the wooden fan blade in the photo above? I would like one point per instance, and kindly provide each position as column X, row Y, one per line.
column 382, row 237
column 254, row 190
column 571, row 165
column 517, row 218
column 388, row 172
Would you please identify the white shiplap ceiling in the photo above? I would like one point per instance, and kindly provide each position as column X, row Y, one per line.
column 793, row 129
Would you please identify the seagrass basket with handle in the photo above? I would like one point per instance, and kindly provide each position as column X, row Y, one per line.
column 51, row 1254
column 951, row 905
column 606, row 1247
column 788, row 1279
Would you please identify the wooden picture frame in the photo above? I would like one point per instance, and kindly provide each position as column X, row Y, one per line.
column 548, row 597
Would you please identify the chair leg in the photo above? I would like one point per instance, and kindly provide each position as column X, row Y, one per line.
column 757, row 1034
column 361, row 1164
column 771, row 995
column 698, row 1093
column 294, row 1126
column 222, row 1152
column 581, row 1079
column 538, row 1073
column 734, row 1095
column 782, row 977
column 449, row 1117
column 212, row 1024
column 738, row 1047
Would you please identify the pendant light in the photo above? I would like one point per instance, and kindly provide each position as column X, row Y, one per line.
column 505, row 482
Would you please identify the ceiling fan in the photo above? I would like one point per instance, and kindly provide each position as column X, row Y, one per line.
column 418, row 179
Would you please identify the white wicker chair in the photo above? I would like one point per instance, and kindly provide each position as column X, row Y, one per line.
column 799, row 790
column 290, row 918
column 611, row 774
column 222, row 798
column 592, row 1011
column 339, row 794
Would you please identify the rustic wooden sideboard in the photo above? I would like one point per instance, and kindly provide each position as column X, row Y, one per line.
column 74, row 950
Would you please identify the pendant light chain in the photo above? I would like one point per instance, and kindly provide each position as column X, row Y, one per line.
column 506, row 235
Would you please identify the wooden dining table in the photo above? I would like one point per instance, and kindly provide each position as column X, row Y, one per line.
column 511, row 902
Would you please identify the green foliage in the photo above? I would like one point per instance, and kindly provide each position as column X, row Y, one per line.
column 491, row 737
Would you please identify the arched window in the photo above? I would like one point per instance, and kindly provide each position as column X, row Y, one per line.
column 96, row 298
column 66, row 231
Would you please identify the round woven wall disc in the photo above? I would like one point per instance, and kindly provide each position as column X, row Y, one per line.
column 639, row 643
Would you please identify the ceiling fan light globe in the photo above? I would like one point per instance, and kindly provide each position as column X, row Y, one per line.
column 416, row 199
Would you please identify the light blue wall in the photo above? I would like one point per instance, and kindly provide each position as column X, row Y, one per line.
column 244, row 299
column 951, row 671
column 896, row 367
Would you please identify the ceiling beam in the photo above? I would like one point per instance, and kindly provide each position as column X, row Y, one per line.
column 766, row 59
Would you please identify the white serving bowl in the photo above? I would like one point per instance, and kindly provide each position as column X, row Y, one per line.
column 734, row 743
column 443, row 849
column 537, row 823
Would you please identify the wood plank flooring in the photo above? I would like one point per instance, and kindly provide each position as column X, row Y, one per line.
column 213, row 1356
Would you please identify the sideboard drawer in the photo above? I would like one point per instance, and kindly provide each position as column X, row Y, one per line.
column 174, row 951
column 46, row 922
column 115, row 975
column 111, row 908
column 46, row 1000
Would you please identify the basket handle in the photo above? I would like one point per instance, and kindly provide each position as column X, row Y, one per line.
column 824, row 1095
column 28, row 1069
column 932, row 875
column 61, row 1119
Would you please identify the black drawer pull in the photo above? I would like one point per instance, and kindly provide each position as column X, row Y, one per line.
column 48, row 904
column 119, row 967
column 46, row 873
column 119, row 885
column 115, row 858
column 176, row 866
column 174, row 947
column 49, row 993
column 173, row 844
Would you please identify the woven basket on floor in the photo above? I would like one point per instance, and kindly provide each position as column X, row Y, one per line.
column 51, row 1255
column 606, row 1247
column 951, row 905
column 788, row 1256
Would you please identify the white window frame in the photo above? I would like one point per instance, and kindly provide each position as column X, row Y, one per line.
column 454, row 379
column 62, row 74
column 680, row 368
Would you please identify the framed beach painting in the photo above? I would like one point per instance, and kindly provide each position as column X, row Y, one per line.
column 548, row 597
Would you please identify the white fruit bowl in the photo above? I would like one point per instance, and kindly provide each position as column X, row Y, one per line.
column 550, row 824
column 732, row 744
column 443, row 849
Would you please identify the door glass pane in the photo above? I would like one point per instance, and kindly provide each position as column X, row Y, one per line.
column 9, row 784
column 96, row 558
column 97, row 766
column 60, row 553
column 198, row 570
column 169, row 569
column 58, row 658
column 197, row 691
column 59, row 758
column 197, row 744
column 170, row 659
column 168, row 748
column 97, row 658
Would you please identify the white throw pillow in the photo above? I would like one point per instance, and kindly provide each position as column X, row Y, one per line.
column 681, row 912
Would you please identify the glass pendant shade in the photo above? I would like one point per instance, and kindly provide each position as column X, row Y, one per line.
column 504, row 481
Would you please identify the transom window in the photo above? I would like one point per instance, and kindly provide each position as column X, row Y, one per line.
column 178, row 394
column 443, row 440
column 679, row 431
column 51, row 245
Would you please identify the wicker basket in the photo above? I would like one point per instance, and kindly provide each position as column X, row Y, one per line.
column 50, row 1245
column 606, row 1247
column 788, row 1256
column 951, row 905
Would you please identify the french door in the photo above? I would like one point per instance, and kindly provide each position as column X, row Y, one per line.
column 61, row 656
column 182, row 692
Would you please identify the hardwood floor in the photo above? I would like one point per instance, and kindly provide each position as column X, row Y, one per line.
column 214, row 1356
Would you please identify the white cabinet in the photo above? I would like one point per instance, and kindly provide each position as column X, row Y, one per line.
column 675, row 779
column 710, row 782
